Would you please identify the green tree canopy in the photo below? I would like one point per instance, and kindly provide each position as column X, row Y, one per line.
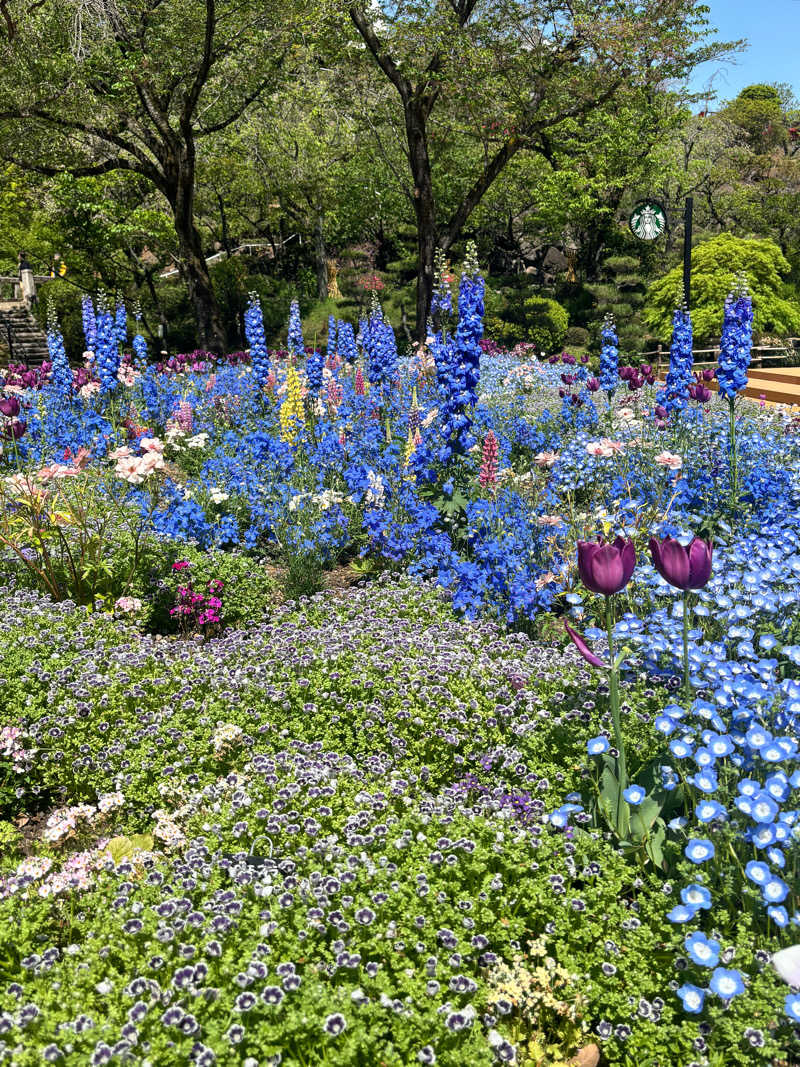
column 717, row 264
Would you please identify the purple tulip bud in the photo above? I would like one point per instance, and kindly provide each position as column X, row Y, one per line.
column 582, row 647
column 16, row 430
column 660, row 411
column 709, row 374
column 593, row 385
column 606, row 568
column 9, row 406
column 684, row 568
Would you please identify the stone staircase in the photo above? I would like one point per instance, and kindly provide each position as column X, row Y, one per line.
column 21, row 338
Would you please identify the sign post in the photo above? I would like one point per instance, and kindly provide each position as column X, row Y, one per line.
column 649, row 220
column 687, row 250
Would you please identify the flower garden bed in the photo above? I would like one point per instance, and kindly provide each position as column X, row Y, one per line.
column 249, row 821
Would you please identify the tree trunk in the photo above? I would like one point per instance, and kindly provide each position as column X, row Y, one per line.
column 320, row 255
column 201, row 292
column 195, row 270
column 424, row 210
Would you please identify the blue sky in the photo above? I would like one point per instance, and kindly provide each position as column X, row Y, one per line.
column 772, row 28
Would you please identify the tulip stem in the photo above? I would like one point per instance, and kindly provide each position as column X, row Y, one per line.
column 733, row 452
column 613, row 688
column 687, row 689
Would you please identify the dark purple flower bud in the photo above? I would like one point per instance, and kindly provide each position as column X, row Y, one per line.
column 582, row 647
column 606, row 568
column 684, row 567
column 16, row 430
column 660, row 411
column 593, row 385
column 9, row 406
column 709, row 374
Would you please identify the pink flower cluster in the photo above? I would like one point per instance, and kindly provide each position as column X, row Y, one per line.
column 11, row 747
column 135, row 469
column 197, row 610
column 488, row 472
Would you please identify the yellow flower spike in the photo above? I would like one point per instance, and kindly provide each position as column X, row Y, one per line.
column 292, row 413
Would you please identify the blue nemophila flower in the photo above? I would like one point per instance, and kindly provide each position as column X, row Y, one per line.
column 758, row 872
column 682, row 913
column 698, row 850
column 708, row 810
column 726, row 984
column 792, row 1006
column 706, row 781
column 634, row 794
column 778, row 914
column 775, row 891
column 701, row 950
column 692, row 998
column 597, row 745
column 696, row 896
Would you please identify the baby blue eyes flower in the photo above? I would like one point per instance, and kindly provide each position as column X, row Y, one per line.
column 707, row 810
column 706, row 781
column 634, row 794
column 692, row 998
column 792, row 1006
column 767, row 641
column 699, row 850
column 779, row 915
column 679, row 748
column 726, row 984
column 758, row 872
column 701, row 950
column 681, row 913
column 775, row 891
column 597, row 745
column 696, row 896
column 665, row 725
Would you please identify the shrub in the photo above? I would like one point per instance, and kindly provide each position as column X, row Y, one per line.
column 716, row 265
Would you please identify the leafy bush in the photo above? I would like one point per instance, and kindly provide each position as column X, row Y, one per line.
column 716, row 266
column 511, row 316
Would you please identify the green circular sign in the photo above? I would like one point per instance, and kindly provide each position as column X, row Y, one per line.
column 648, row 220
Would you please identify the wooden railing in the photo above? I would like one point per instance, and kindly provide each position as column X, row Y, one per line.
column 761, row 355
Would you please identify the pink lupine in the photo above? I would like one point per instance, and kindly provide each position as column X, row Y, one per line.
column 488, row 471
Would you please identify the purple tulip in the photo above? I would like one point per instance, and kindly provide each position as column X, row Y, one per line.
column 9, row 406
column 660, row 411
column 593, row 385
column 685, row 568
column 16, row 430
column 582, row 647
column 606, row 568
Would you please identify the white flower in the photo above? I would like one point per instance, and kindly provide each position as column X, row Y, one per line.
column 217, row 495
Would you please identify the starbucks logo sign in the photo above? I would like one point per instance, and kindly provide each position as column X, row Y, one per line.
column 648, row 220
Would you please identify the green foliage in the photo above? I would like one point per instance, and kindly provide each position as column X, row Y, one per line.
column 621, row 294
column 512, row 315
column 716, row 265
column 65, row 300
column 248, row 592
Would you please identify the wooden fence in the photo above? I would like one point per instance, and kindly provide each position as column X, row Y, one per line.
column 762, row 355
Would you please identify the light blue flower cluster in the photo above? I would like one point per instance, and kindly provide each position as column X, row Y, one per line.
column 380, row 350
column 346, row 342
column 458, row 370
column 106, row 353
column 296, row 344
column 314, row 367
column 121, row 325
column 61, row 375
column 679, row 375
column 139, row 351
column 609, row 357
column 89, row 322
column 256, row 339
column 735, row 344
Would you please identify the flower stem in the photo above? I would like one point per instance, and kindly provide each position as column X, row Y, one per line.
column 733, row 451
column 687, row 689
column 613, row 686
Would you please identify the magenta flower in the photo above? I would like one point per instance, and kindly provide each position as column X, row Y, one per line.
column 684, row 567
column 582, row 647
column 9, row 406
column 606, row 568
